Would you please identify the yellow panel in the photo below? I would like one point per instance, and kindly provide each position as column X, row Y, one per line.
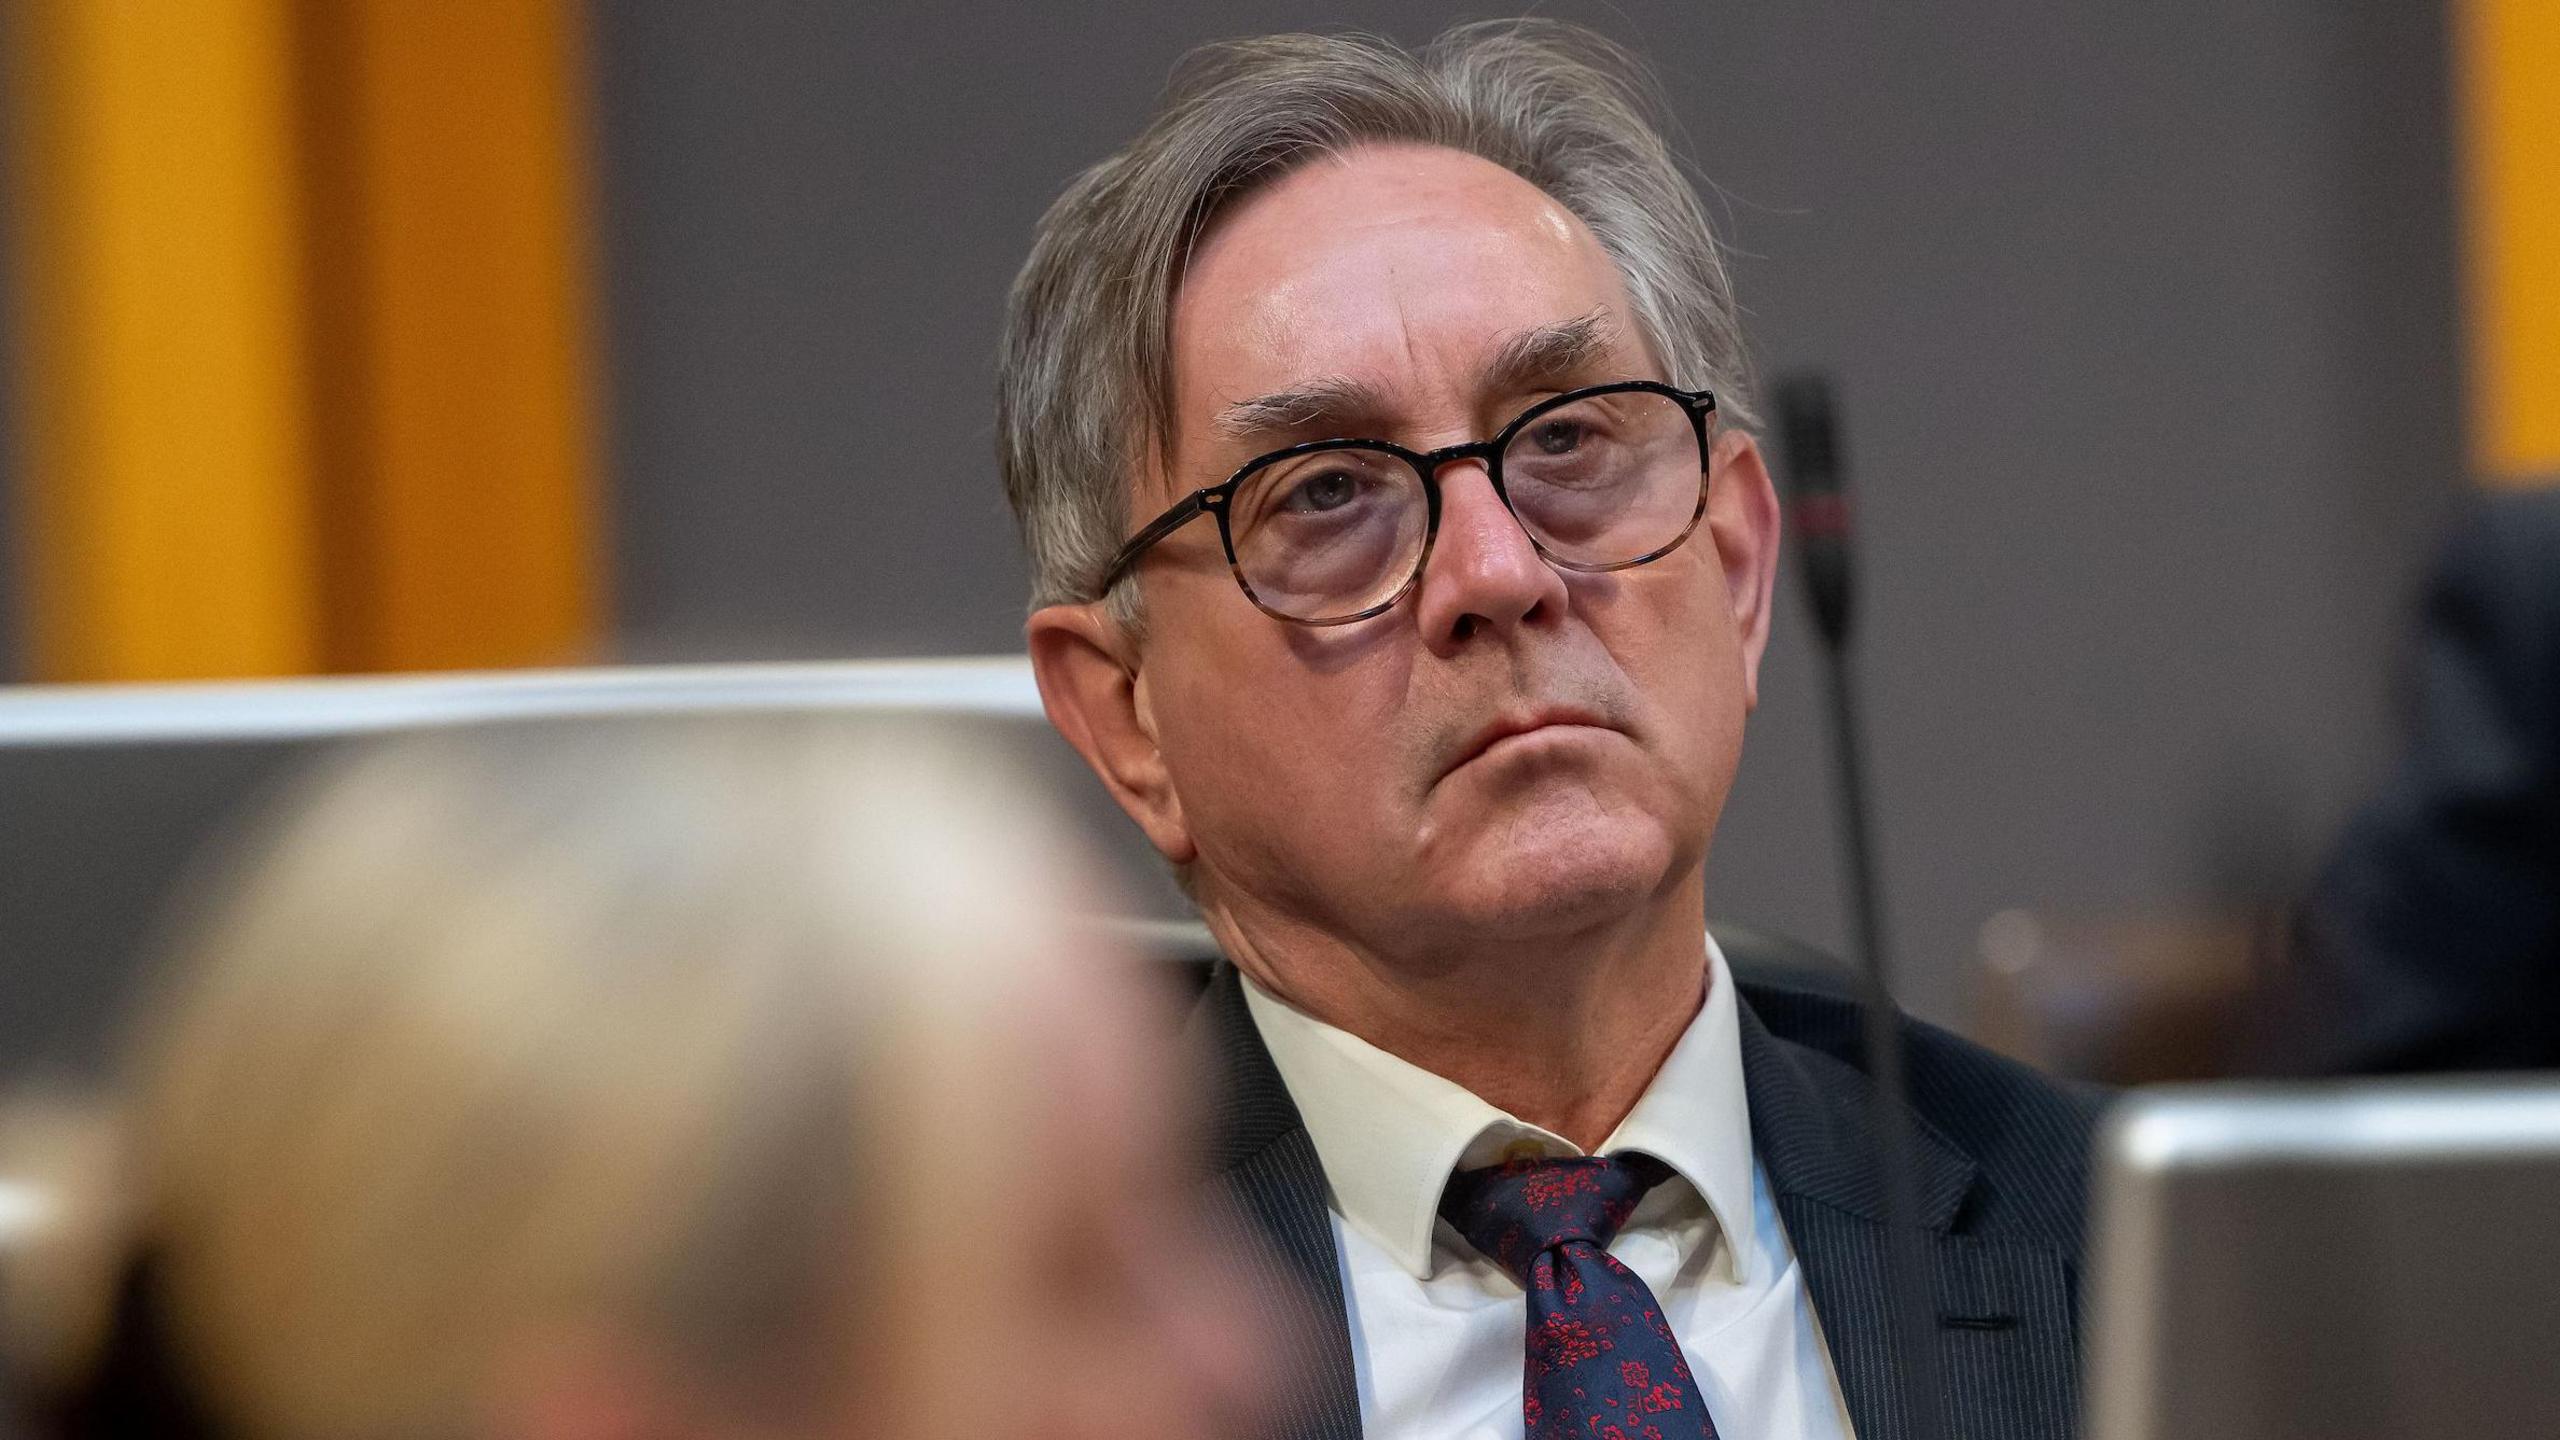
column 163, row 477
column 470, row 468
column 2508, row 78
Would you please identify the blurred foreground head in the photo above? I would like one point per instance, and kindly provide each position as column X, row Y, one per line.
column 661, row 1078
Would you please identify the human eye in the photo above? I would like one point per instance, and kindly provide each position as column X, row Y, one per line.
column 1325, row 489
column 1580, row 443
column 1559, row 435
column 1321, row 491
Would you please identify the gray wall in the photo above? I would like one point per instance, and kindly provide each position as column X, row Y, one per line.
column 2142, row 317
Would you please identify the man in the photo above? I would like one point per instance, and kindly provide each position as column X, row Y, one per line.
column 2432, row 938
column 1403, row 567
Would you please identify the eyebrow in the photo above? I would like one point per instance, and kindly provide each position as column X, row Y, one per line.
column 1335, row 401
column 1540, row 357
column 1544, row 356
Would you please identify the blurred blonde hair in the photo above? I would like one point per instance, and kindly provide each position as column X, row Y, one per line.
column 542, row 1024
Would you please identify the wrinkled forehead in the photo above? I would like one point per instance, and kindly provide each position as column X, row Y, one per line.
column 1410, row 272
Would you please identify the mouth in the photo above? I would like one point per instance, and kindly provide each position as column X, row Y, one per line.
column 1513, row 725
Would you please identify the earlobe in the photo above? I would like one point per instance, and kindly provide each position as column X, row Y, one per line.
column 1742, row 516
column 1093, row 685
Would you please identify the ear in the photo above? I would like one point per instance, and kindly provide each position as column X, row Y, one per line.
column 1093, row 684
column 1742, row 517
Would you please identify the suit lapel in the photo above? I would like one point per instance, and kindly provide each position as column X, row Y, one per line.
column 2002, row 1321
column 1265, row 1167
column 2003, row 1305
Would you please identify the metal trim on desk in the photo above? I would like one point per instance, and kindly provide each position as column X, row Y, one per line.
column 992, row 686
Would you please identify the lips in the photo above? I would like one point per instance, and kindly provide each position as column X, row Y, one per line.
column 1523, row 723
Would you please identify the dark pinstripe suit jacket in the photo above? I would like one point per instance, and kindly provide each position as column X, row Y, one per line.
column 2002, row 1171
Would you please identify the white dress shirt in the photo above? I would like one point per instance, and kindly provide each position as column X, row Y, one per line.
column 1438, row 1330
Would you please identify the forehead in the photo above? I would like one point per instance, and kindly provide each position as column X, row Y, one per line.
column 1399, row 266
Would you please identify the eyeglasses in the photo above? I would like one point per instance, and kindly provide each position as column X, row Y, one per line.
column 1333, row 531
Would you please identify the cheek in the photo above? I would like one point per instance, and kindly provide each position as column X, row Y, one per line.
column 1677, row 643
column 1267, row 723
column 938, row 1280
column 1098, row 1296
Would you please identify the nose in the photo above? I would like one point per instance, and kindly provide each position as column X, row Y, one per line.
column 1484, row 576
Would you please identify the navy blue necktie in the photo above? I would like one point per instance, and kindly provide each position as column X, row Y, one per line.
column 1602, row 1363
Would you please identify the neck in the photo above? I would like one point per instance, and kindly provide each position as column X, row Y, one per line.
column 1562, row 1031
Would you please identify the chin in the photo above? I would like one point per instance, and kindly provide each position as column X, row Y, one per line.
column 1556, row 875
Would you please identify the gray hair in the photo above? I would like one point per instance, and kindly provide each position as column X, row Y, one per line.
column 1084, row 371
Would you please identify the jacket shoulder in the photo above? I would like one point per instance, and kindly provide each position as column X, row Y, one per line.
column 2028, row 1134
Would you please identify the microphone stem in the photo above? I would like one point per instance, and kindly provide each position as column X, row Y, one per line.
column 1914, row 1287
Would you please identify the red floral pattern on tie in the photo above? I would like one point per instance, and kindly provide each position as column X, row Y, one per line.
column 1601, row 1364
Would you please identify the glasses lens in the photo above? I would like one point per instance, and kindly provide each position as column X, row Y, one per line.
column 1328, row 535
column 1607, row 478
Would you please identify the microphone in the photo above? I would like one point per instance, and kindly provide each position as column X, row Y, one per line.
column 1818, row 501
column 1818, row 513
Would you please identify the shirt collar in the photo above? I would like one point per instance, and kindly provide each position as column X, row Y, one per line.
column 1390, row 1133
